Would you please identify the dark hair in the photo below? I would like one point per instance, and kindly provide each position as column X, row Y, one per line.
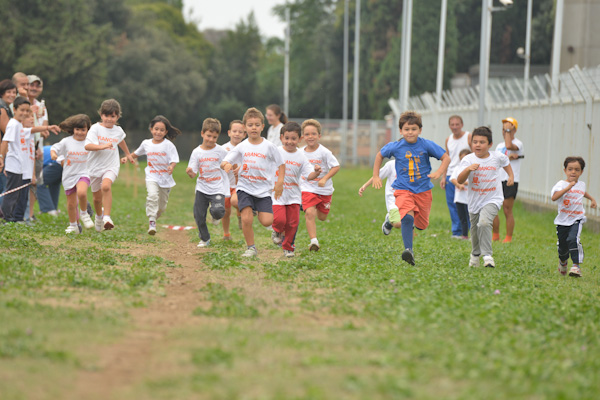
column 291, row 127
column 235, row 121
column 75, row 121
column 253, row 113
column 456, row 117
column 464, row 152
column 483, row 131
column 172, row 132
column 110, row 107
column 411, row 118
column 6, row 85
column 19, row 101
column 571, row 159
column 211, row 124
column 277, row 110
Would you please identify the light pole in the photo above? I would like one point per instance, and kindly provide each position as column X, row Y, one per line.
column 355, row 88
column 343, row 144
column 286, row 70
column 441, row 50
column 557, row 43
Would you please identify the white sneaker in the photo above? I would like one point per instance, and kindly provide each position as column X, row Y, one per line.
column 86, row 220
column 108, row 223
column 152, row 228
column 203, row 244
column 99, row 223
column 488, row 261
column 562, row 268
column 250, row 252
column 289, row 253
column 386, row 228
column 474, row 261
column 314, row 245
column 54, row 213
column 575, row 271
column 276, row 238
column 73, row 229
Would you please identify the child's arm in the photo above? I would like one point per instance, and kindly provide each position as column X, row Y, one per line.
column 315, row 174
column 511, row 176
column 560, row 193
column 97, row 147
column 190, row 172
column 443, row 181
column 459, row 186
column 125, row 149
column 3, row 151
column 124, row 159
column 589, row 197
column 329, row 175
column 43, row 128
column 462, row 177
column 508, row 142
column 171, row 167
column 442, row 169
column 225, row 166
column 376, row 166
column 363, row 187
column 279, row 183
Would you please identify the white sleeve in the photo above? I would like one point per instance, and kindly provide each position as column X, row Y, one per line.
column 234, row 156
column 173, row 154
column 388, row 170
column 276, row 156
column 92, row 136
column 455, row 173
column 141, row 151
column 504, row 161
column 58, row 147
column 560, row 185
column 193, row 163
column 331, row 160
column 307, row 168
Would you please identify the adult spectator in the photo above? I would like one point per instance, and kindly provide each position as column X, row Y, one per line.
column 513, row 148
column 276, row 118
column 8, row 94
column 456, row 142
column 49, row 191
column 20, row 79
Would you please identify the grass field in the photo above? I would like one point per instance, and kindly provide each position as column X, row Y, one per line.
column 121, row 315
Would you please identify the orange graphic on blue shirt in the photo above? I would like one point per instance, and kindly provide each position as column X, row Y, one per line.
column 413, row 166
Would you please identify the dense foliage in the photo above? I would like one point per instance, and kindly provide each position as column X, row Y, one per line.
column 144, row 53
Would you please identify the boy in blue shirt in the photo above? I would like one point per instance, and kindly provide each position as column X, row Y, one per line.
column 413, row 183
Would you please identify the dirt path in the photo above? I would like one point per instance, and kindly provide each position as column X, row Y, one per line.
column 126, row 362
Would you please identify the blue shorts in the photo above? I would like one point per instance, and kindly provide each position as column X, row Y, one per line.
column 258, row 204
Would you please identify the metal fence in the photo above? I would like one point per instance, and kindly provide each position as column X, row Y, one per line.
column 553, row 123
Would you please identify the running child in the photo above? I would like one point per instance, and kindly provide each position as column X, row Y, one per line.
column 461, row 197
column 316, row 194
column 259, row 159
column 15, row 156
column 569, row 194
column 413, row 183
column 286, row 209
column 236, row 134
column 162, row 159
column 388, row 171
column 212, row 185
column 103, row 160
column 72, row 155
column 483, row 170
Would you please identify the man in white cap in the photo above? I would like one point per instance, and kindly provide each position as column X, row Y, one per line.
column 513, row 148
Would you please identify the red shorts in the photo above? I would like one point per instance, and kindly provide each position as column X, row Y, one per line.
column 419, row 203
column 228, row 199
column 321, row 201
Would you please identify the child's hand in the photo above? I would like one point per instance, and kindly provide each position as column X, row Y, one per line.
column 435, row 175
column 377, row 182
column 510, row 181
column 461, row 187
column 473, row 167
column 571, row 184
column 318, row 168
column 130, row 158
column 361, row 190
column 225, row 166
column 322, row 182
column 123, row 160
column 54, row 129
column 236, row 170
column 593, row 205
column 170, row 169
column 278, row 190
column 106, row 146
column 190, row 172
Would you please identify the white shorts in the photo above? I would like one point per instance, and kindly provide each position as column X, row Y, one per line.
column 96, row 181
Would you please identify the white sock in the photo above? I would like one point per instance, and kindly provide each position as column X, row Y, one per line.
column 314, row 240
column 82, row 212
column 74, row 224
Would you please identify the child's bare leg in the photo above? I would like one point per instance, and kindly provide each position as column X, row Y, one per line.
column 82, row 188
column 72, row 207
column 321, row 215
column 226, row 221
column 510, row 219
column 32, row 200
column 310, row 216
column 106, row 196
column 97, row 196
column 496, row 228
column 265, row 218
column 247, row 219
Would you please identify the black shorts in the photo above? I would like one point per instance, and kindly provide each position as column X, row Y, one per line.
column 510, row 191
column 258, row 204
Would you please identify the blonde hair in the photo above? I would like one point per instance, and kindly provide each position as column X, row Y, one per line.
column 212, row 125
column 311, row 122
column 253, row 113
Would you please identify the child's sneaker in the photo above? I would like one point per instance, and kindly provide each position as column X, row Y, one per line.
column 215, row 221
column 276, row 238
column 474, row 261
column 386, row 228
column 289, row 253
column 314, row 245
column 73, row 229
column 575, row 271
column 250, row 252
column 108, row 223
column 408, row 256
column 99, row 223
column 562, row 267
column 488, row 261
column 203, row 244
column 152, row 228
column 86, row 220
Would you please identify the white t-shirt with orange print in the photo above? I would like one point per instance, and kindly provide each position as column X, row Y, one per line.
column 570, row 205
column 74, row 156
column 102, row 161
column 207, row 164
column 232, row 179
column 325, row 158
column 296, row 168
column 485, row 184
column 259, row 162
column 160, row 156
